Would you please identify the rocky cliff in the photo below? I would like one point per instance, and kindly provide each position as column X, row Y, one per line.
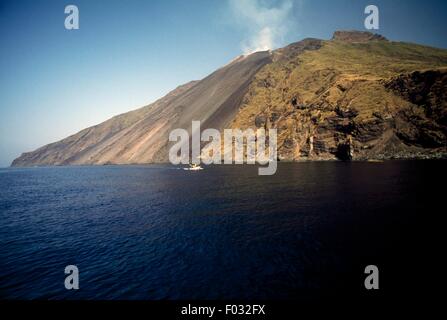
column 356, row 96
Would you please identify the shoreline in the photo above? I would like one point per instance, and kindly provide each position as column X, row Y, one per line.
column 368, row 160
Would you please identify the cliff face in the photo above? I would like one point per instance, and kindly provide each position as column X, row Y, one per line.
column 357, row 96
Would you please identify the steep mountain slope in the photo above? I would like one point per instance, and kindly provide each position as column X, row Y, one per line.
column 141, row 136
column 356, row 96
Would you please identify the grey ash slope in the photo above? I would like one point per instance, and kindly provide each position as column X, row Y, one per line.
column 141, row 136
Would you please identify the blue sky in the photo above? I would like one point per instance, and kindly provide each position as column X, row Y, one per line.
column 126, row 54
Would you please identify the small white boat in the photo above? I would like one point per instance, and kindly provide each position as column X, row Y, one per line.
column 193, row 167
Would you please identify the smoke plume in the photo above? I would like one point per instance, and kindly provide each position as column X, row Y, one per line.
column 265, row 22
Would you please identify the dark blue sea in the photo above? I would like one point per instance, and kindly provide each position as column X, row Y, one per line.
column 159, row 232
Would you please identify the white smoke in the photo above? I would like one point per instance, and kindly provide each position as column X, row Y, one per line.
column 266, row 22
